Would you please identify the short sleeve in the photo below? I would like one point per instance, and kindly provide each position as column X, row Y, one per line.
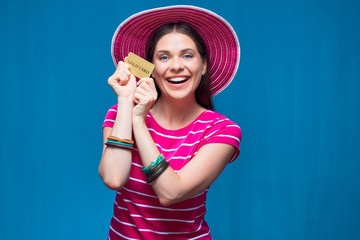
column 225, row 131
column 110, row 117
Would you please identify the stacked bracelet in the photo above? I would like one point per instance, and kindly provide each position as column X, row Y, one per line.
column 153, row 164
column 155, row 168
column 119, row 142
column 157, row 171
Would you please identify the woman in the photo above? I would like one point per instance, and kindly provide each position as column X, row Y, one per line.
column 181, row 145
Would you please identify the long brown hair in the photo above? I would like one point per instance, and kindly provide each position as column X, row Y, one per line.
column 202, row 93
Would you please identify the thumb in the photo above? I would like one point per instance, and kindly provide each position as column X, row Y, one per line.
column 132, row 77
column 132, row 80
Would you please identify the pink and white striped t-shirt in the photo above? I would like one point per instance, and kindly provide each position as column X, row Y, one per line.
column 137, row 210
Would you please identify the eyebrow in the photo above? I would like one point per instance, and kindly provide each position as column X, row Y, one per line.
column 182, row 50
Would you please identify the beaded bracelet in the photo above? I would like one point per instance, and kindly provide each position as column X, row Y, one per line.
column 153, row 164
column 156, row 167
column 153, row 171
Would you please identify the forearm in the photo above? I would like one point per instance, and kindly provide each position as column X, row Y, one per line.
column 115, row 163
column 167, row 186
column 173, row 187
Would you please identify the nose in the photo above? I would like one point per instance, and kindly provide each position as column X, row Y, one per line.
column 176, row 65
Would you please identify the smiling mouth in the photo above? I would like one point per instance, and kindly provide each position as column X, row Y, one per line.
column 177, row 80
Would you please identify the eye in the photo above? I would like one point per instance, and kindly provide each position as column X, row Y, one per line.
column 164, row 57
column 188, row 56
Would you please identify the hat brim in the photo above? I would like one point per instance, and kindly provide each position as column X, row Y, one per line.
column 220, row 38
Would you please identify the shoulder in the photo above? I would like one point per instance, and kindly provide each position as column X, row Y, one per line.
column 211, row 115
column 218, row 121
column 221, row 129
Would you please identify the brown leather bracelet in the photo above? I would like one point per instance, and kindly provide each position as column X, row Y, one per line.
column 158, row 172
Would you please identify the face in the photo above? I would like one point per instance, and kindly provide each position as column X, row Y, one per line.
column 178, row 66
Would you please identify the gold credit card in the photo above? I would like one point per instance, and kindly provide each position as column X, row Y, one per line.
column 139, row 66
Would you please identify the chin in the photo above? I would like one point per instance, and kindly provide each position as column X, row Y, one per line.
column 181, row 95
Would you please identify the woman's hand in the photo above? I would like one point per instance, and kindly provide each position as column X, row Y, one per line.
column 122, row 81
column 144, row 98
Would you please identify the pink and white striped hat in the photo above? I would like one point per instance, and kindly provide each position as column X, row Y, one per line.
column 220, row 38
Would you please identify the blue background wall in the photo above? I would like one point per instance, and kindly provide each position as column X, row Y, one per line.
column 296, row 97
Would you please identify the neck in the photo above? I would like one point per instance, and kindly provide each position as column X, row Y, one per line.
column 175, row 114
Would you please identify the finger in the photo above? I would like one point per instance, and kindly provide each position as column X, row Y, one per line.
column 132, row 77
column 119, row 65
column 136, row 100
column 146, row 83
column 122, row 66
column 144, row 88
column 126, row 68
column 149, row 81
column 123, row 77
column 142, row 91
column 149, row 89
column 144, row 96
column 113, row 79
column 140, row 98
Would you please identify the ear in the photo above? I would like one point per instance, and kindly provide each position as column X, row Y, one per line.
column 153, row 74
column 204, row 68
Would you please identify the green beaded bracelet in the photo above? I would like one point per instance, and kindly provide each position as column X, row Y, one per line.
column 153, row 164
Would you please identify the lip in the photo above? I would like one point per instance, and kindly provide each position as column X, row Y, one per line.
column 177, row 79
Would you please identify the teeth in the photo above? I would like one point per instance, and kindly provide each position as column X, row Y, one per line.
column 177, row 79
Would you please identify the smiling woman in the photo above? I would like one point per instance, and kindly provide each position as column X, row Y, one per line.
column 180, row 145
column 203, row 94
column 179, row 68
